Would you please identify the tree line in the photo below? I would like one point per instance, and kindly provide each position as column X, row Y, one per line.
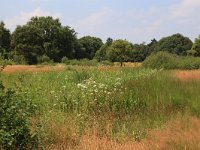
column 46, row 39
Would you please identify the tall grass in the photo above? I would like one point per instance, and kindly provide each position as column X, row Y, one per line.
column 121, row 104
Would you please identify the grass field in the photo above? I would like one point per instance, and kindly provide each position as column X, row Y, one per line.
column 110, row 107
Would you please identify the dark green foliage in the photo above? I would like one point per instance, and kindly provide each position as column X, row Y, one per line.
column 14, row 127
column 139, row 53
column 87, row 47
column 65, row 60
column 165, row 60
column 195, row 50
column 44, row 59
column 119, row 51
column 101, row 53
column 175, row 44
column 43, row 36
column 5, row 40
column 109, row 41
column 19, row 59
column 27, row 41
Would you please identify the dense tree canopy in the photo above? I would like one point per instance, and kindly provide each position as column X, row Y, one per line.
column 44, row 39
column 101, row 53
column 44, row 36
column 88, row 47
column 5, row 38
column 119, row 51
column 195, row 50
column 27, row 41
column 175, row 44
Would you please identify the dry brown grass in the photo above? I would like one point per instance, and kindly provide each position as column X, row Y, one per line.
column 60, row 67
column 129, row 64
column 182, row 133
column 32, row 68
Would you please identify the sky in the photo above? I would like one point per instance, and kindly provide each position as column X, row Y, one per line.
column 134, row 20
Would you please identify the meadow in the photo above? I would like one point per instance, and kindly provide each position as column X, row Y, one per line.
column 82, row 107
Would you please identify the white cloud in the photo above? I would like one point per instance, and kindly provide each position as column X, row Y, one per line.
column 185, row 10
column 129, row 24
column 23, row 17
column 143, row 25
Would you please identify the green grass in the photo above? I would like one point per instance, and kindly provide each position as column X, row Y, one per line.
column 121, row 104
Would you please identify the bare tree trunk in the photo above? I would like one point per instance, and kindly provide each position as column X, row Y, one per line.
column 121, row 63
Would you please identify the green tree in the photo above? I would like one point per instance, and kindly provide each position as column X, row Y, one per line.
column 195, row 50
column 88, row 47
column 101, row 53
column 5, row 39
column 139, row 53
column 119, row 51
column 44, row 36
column 175, row 44
column 109, row 41
column 28, row 42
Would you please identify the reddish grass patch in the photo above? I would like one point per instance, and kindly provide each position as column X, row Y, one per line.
column 188, row 75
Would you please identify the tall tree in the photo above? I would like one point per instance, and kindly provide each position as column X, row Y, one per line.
column 89, row 46
column 176, row 44
column 28, row 42
column 101, row 53
column 139, row 53
column 119, row 51
column 5, row 39
column 195, row 50
column 44, row 36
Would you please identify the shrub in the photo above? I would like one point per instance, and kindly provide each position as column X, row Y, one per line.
column 160, row 60
column 82, row 62
column 5, row 62
column 165, row 60
column 65, row 60
column 44, row 59
column 87, row 62
column 14, row 127
column 106, row 63
column 19, row 59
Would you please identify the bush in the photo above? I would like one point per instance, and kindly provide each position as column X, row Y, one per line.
column 19, row 59
column 86, row 62
column 44, row 59
column 161, row 60
column 14, row 127
column 5, row 62
column 82, row 62
column 106, row 63
column 65, row 60
column 165, row 60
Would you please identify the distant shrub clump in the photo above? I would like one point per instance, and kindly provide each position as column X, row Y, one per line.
column 165, row 60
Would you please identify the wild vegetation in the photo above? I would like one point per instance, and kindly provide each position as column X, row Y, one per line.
column 120, row 105
column 165, row 60
column 90, row 102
